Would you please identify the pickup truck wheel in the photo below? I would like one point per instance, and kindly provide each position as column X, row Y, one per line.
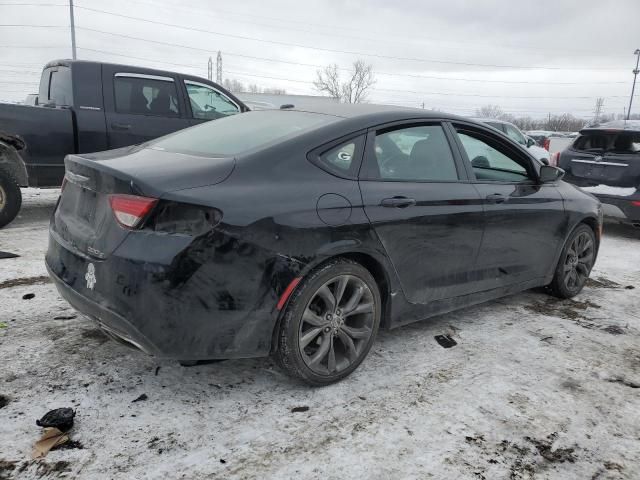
column 10, row 198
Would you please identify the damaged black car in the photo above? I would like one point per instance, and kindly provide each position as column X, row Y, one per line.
column 300, row 234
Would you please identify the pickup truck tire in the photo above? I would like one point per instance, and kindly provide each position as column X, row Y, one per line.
column 10, row 198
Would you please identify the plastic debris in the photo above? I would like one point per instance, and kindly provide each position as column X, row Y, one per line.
column 445, row 341
column 141, row 398
column 51, row 438
column 60, row 418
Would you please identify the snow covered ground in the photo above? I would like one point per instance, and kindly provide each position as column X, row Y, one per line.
column 535, row 389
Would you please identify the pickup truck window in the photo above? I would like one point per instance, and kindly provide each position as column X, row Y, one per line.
column 146, row 95
column 207, row 103
column 60, row 92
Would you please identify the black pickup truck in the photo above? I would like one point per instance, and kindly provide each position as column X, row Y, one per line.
column 90, row 106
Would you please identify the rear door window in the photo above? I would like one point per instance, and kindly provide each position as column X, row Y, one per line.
column 146, row 95
column 416, row 153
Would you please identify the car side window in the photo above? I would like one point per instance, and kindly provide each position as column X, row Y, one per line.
column 208, row 103
column 341, row 157
column 489, row 161
column 514, row 134
column 146, row 95
column 416, row 153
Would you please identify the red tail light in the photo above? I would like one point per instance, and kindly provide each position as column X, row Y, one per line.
column 553, row 160
column 546, row 143
column 635, row 203
column 130, row 210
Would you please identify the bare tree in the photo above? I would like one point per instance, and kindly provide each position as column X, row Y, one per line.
column 274, row 91
column 490, row 111
column 233, row 85
column 353, row 90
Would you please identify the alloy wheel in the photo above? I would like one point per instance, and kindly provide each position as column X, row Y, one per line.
column 336, row 325
column 578, row 261
column 3, row 197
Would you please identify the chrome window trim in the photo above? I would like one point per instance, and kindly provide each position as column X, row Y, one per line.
column 142, row 75
column 593, row 162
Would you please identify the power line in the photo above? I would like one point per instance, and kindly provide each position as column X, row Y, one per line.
column 342, row 28
column 33, row 26
column 324, row 49
column 434, row 93
column 288, row 62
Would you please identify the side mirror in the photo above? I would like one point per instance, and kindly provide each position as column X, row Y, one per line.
column 530, row 142
column 549, row 174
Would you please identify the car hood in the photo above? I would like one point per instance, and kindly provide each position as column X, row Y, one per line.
column 158, row 171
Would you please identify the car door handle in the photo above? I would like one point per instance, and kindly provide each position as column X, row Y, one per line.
column 496, row 198
column 398, row 202
column 120, row 126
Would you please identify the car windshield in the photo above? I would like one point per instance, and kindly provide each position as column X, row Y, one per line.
column 241, row 133
column 603, row 141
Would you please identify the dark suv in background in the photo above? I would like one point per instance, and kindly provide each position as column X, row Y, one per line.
column 605, row 160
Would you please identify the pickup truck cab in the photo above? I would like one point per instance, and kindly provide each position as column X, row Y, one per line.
column 87, row 107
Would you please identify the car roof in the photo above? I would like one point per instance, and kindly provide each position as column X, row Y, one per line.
column 374, row 112
column 629, row 125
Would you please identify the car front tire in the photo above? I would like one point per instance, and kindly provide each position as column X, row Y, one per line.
column 330, row 323
column 575, row 264
column 10, row 198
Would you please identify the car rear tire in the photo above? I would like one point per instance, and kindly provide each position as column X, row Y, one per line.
column 330, row 323
column 10, row 198
column 575, row 264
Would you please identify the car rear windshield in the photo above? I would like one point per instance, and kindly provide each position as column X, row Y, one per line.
column 241, row 133
column 606, row 141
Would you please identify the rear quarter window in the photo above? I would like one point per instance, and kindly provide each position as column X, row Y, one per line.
column 55, row 86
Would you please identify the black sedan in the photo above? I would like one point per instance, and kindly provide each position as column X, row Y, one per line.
column 300, row 234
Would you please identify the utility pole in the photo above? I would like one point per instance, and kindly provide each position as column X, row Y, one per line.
column 210, row 69
column 219, row 68
column 73, row 31
column 598, row 109
column 635, row 74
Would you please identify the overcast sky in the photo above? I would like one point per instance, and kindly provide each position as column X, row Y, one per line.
column 452, row 55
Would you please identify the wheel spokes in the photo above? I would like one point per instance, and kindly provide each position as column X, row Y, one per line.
column 356, row 333
column 354, row 300
column 330, row 300
column 322, row 351
column 340, row 288
column 352, row 352
column 313, row 319
column 362, row 308
column 327, row 343
column 309, row 336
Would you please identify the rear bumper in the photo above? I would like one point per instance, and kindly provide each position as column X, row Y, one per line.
column 106, row 319
column 621, row 208
column 180, row 307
